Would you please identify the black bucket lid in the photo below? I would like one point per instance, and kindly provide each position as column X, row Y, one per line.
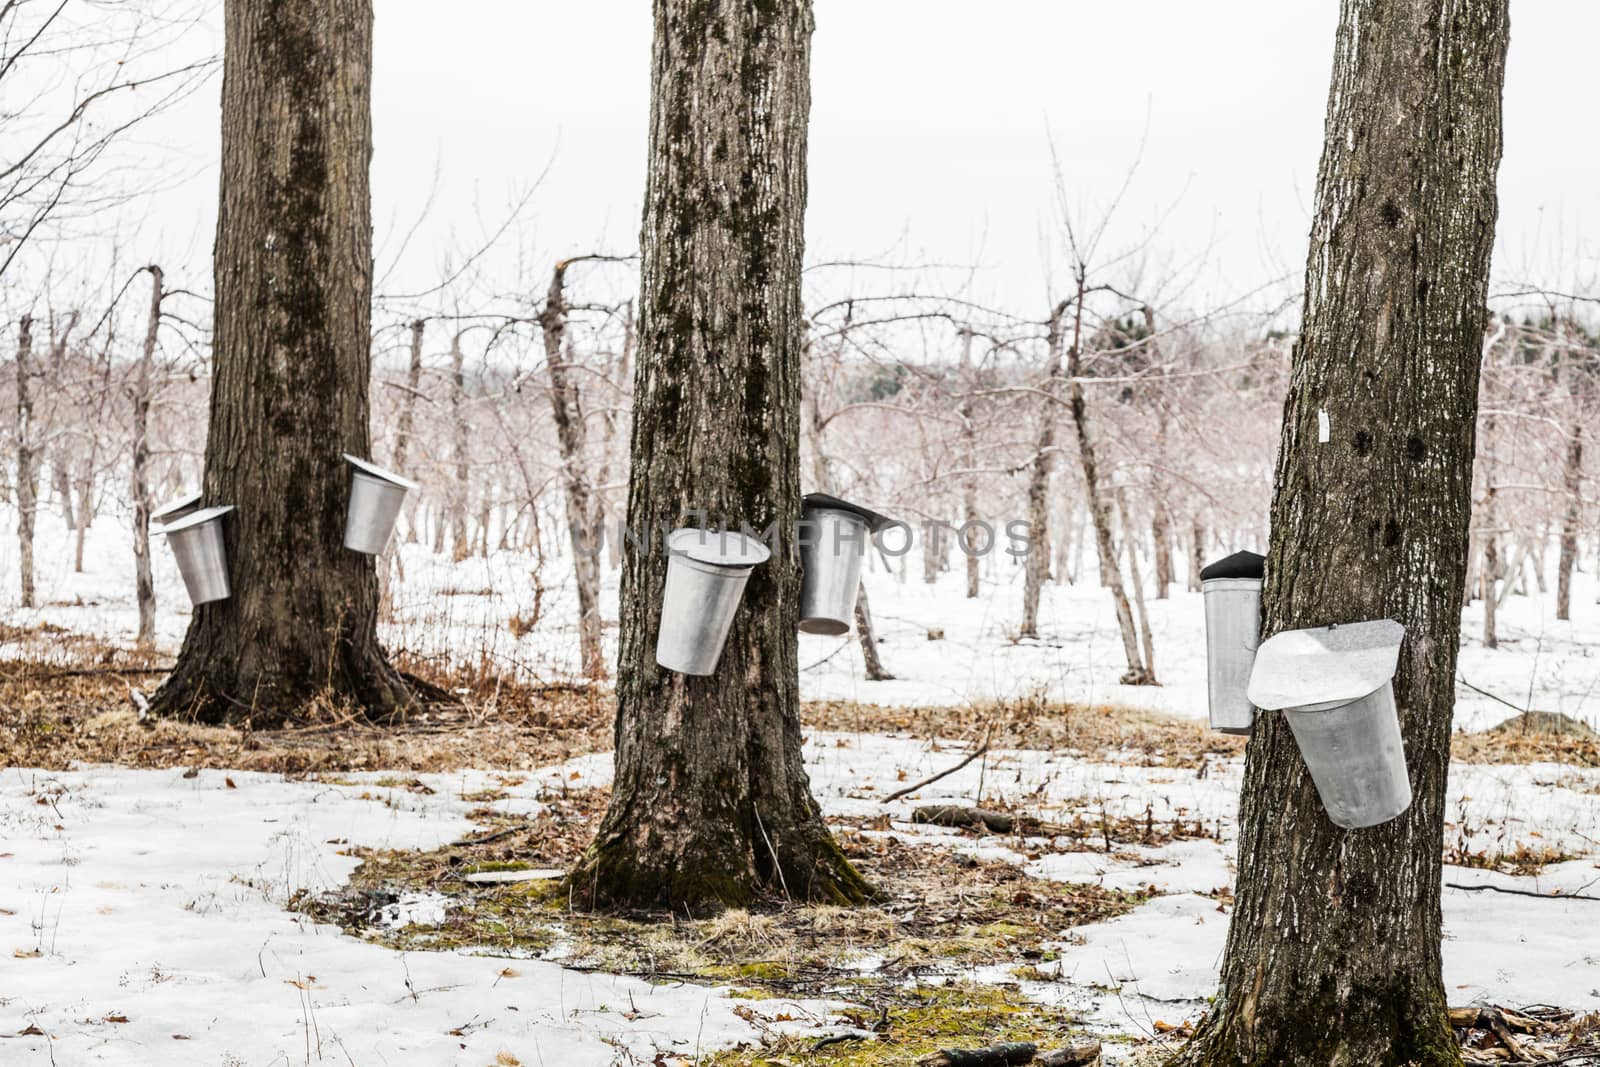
column 875, row 521
column 1238, row 565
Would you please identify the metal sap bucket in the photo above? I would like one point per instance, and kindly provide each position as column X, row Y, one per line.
column 177, row 509
column 375, row 499
column 706, row 574
column 833, row 543
column 1335, row 686
column 196, row 541
column 1232, row 591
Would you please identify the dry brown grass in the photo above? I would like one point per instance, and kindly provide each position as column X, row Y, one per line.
column 68, row 697
column 1098, row 732
column 53, row 715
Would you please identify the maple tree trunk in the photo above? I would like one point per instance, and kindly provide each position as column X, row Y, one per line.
column 293, row 265
column 1333, row 953
column 711, row 804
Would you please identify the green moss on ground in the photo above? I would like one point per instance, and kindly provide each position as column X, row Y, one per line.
column 908, row 1024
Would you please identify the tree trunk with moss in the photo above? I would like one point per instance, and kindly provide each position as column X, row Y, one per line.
column 711, row 806
column 293, row 263
column 1333, row 955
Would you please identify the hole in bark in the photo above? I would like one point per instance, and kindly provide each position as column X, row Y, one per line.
column 1391, row 214
column 1391, row 534
column 1363, row 442
column 1416, row 448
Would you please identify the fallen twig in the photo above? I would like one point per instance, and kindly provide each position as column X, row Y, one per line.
column 1520, row 892
column 980, row 750
column 468, row 842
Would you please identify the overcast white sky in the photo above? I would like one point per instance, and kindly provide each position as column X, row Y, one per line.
column 930, row 133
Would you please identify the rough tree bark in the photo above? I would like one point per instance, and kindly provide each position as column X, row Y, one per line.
column 144, row 585
column 27, row 459
column 1333, row 955
column 1037, row 563
column 583, row 514
column 711, row 805
column 293, row 262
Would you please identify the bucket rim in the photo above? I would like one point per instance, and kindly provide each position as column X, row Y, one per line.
column 1325, row 665
column 198, row 518
column 725, row 549
column 186, row 502
column 365, row 466
column 826, row 502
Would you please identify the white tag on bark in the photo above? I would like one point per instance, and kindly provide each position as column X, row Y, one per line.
column 1322, row 427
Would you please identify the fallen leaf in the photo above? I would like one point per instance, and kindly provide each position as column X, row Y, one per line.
column 229, row 783
column 31, row 1031
column 116, row 1017
column 27, row 953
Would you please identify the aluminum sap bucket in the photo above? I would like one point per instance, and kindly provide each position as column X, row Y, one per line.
column 196, row 541
column 375, row 499
column 1232, row 591
column 833, row 544
column 1356, row 757
column 833, row 539
column 1335, row 686
column 1233, row 630
column 706, row 575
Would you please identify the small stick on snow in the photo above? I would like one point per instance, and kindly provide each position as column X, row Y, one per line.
column 980, row 750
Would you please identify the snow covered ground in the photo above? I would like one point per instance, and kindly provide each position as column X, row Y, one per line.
column 464, row 610
column 142, row 913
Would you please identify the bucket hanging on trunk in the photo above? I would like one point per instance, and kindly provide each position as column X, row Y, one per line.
column 375, row 499
column 1232, row 591
column 1335, row 686
column 197, row 544
column 706, row 575
column 833, row 539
